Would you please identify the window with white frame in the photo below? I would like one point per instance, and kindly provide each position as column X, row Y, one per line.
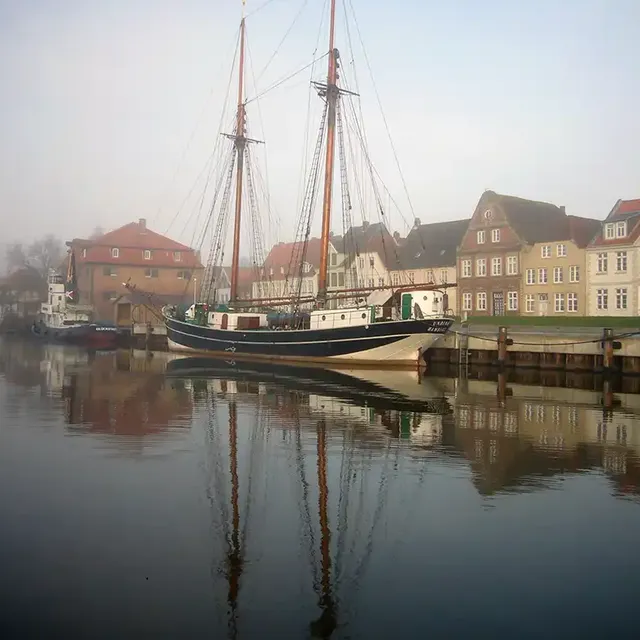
column 115, row 252
column 512, row 300
column 602, row 263
column 512, row 265
column 602, row 299
column 531, row 276
column 177, row 256
column 621, row 229
column 621, row 261
column 496, row 266
column 609, row 231
column 466, row 302
column 559, row 302
column 542, row 275
column 466, row 268
column 147, row 254
column 495, row 235
column 443, row 276
column 481, row 301
column 530, row 303
column 481, row 267
column 430, row 276
column 574, row 273
column 557, row 275
column 395, row 278
column 480, row 236
column 572, row 302
column 545, row 251
column 621, row 298
column 411, row 276
column 84, row 253
column 561, row 251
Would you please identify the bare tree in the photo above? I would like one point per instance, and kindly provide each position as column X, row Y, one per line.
column 45, row 254
column 16, row 257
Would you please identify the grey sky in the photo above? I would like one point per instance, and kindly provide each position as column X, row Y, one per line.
column 99, row 99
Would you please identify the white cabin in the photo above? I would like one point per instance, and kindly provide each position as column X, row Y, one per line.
column 55, row 312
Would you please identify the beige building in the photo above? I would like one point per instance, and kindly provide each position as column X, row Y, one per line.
column 554, row 273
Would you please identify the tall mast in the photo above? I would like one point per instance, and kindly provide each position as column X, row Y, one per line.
column 240, row 142
column 332, row 93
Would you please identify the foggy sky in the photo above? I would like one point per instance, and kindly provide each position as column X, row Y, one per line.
column 99, row 99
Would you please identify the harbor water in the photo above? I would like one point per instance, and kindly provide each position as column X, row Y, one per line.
column 147, row 497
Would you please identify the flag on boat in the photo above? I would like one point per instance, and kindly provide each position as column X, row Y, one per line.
column 71, row 285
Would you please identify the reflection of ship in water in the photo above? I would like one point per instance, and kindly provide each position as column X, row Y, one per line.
column 339, row 511
column 413, row 409
column 521, row 436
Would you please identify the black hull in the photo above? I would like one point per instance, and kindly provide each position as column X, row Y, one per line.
column 317, row 380
column 395, row 342
column 89, row 335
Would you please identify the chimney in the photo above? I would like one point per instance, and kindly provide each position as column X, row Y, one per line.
column 365, row 225
column 416, row 223
column 396, row 236
column 564, row 211
column 142, row 223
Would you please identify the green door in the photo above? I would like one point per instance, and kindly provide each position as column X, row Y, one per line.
column 407, row 300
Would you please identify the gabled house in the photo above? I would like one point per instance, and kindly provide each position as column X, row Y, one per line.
column 133, row 253
column 489, row 256
column 613, row 263
column 428, row 255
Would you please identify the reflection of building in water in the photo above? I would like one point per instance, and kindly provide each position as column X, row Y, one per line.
column 534, row 432
column 120, row 394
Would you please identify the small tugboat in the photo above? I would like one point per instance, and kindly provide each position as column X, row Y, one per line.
column 63, row 320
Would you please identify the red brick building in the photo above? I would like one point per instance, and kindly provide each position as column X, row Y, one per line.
column 135, row 254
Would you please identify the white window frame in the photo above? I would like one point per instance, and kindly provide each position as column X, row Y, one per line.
column 115, row 252
column 481, row 267
column 177, row 256
column 559, row 298
column 512, row 301
column 147, row 254
column 561, row 251
column 530, row 303
column 545, row 251
column 481, row 301
column 621, row 229
column 481, row 236
column 602, row 263
column 542, row 271
column 621, row 262
column 531, row 276
column 467, row 268
column 495, row 235
column 496, row 266
column 558, row 275
column 602, row 299
column 622, row 298
column 574, row 273
column 572, row 302
column 512, row 265
column 395, row 278
column 467, row 301
column 609, row 231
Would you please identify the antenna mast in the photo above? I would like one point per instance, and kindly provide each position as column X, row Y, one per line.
column 331, row 92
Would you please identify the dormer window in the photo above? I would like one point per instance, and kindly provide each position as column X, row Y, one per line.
column 115, row 252
column 621, row 229
column 177, row 256
column 609, row 231
column 147, row 254
column 495, row 235
column 84, row 253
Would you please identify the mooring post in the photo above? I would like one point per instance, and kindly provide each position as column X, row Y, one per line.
column 607, row 349
column 147, row 337
column 502, row 388
column 502, row 346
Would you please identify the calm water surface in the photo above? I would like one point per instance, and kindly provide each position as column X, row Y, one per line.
column 137, row 503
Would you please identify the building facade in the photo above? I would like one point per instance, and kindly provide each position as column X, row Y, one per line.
column 613, row 263
column 501, row 229
column 136, row 255
column 554, row 275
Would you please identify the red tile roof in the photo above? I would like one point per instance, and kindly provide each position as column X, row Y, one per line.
column 132, row 240
column 280, row 255
column 628, row 210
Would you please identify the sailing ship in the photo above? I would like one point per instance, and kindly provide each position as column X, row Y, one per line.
column 392, row 332
column 63, row 319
